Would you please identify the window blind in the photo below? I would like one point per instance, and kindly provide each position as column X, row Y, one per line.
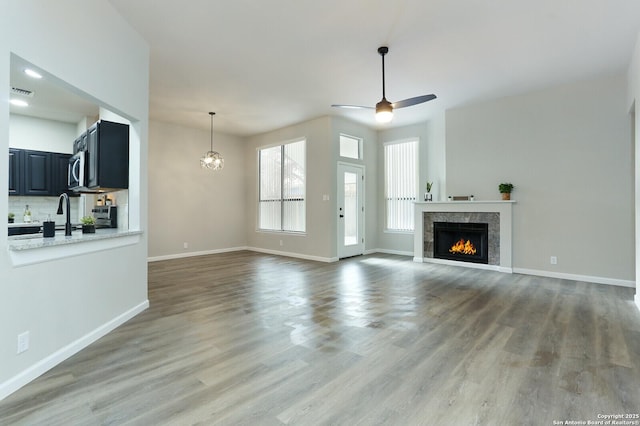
column 400, row 170
column 282, row 204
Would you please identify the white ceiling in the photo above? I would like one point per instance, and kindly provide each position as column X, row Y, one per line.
column 265, row 64
column 51, row 98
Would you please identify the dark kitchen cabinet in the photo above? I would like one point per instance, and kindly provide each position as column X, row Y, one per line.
column 108, row 156
column 15, row 170
column 37, row 173
column 59, row 178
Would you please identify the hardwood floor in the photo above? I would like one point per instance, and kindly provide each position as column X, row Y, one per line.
column 252, row 339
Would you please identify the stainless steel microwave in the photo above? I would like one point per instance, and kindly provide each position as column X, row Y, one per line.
column 77, row 176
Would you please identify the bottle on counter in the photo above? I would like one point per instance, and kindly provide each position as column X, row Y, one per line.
column 27, row 214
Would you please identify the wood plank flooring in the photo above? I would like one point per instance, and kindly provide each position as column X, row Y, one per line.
column 252, row 339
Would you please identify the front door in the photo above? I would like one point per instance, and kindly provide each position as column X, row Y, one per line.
column 350, row 210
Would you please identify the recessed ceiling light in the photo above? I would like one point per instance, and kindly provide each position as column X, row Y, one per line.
column 18, row 102
column 31, row 73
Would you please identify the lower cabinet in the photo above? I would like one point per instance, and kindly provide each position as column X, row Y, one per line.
column 37, row 173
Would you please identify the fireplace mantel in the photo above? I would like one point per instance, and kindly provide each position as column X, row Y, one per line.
column 503, row 208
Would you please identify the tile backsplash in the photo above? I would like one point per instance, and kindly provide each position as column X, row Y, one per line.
column 43, row 207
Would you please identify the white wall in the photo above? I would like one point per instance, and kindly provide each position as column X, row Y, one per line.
column 41, row 135
column 434, row 169
column 216, row 211
column 370, row 162
column 430, row 168
column 318, row 241
column 633, row 94
column 203, row 208
column 567, row 150
column 64, row 302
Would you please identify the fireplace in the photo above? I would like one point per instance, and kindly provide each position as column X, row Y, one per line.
column 466, row 242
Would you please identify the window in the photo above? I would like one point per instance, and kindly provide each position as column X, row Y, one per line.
column 282, row 171
column 400, row 184
column 350, row 147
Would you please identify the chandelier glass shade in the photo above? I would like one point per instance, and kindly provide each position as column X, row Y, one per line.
column 212, row 159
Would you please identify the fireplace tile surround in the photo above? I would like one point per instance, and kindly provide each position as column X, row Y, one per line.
column 498, row 214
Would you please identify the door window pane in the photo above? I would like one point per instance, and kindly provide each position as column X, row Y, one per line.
column 350, row 208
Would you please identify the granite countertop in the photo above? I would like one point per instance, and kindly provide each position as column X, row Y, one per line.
column 35, row 241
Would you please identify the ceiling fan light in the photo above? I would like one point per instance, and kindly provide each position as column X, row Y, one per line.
column 384, row 111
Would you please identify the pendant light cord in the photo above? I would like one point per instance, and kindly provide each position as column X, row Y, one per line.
column 383, row 88
column 212, row 114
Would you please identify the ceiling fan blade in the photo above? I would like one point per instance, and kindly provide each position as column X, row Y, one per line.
column 351, row 106
column 413, row 101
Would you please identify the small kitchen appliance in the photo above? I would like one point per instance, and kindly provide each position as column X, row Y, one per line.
column 106, row 216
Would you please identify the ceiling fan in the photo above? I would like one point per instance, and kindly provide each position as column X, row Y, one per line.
column 384, row 108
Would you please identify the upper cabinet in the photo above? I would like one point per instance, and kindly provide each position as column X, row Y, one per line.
column 105, row 165
column 15, row 171
column 59, row 170
column 108, row 156
column 37, row 173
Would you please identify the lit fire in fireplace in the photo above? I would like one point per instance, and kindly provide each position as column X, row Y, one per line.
column 462, row 247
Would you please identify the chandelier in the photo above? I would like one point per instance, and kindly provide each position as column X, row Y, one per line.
column 212, row 160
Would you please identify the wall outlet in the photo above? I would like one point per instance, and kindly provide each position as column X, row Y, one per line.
column 23, row 342
column 185, row 245
column 281, row 244
column 554, row 260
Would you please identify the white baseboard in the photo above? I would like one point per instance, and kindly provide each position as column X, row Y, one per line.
column 194, row 253
column 398, row 252
column 541, row 273
column 228, row 250
column 576, row 277
column 44, row 365
column 637, row 299
column 269, row 251
column 296, row 255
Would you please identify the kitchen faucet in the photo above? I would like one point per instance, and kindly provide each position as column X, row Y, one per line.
column 67, row 225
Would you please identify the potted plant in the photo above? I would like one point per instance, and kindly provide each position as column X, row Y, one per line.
column 12, row 217
column 88, row 225
column 505, row 189
column 427, row 195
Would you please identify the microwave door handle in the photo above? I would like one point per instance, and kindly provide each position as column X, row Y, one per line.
column 81, row 170
column 73, row 170
column 76, row 164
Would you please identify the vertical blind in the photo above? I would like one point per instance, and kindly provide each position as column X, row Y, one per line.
column 400, row 174
column 282, row 187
